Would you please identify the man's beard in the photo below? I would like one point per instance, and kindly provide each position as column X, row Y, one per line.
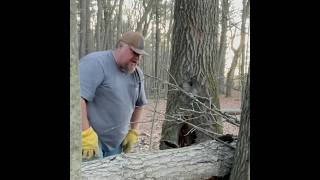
column 129, row 68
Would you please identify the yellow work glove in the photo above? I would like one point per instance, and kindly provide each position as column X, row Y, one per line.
column 130, row 140
column 89, row 144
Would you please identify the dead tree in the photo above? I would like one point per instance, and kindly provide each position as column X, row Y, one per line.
column 201, row 161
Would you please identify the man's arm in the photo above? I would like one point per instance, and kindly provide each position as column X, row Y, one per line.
column 136, row 116
column 84, row 115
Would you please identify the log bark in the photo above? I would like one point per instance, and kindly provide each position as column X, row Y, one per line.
column 200, row 161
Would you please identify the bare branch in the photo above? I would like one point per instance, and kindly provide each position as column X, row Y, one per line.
column 224, row 115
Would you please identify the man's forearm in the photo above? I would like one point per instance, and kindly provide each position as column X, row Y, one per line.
column 136, row 116
column 84, row 114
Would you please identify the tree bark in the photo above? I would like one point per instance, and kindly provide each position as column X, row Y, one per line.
column 210, row 71
column 241, row 168
column 193, row 48
column 200, row 161
column 157, row 9
column 75, row 126
column 245, row 13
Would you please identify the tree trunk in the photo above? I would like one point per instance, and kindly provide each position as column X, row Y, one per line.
column 83, row 28
column 211, row 72
column 90, row 42
column 245, row 14
column 230, row 75
column 98, row 26
column 146, row 25
column 223, row 46
column 247, row 50
column 241, row 168
column 88, row 29
column 75, row 126
column 169, row 33
column 200, row 161
column 111, row 31
column 168, row 45
column 119, row 22
column 193, row 47
column 157, row 7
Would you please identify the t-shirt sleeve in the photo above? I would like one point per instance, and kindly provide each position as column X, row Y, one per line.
column 142, row 99
column 91, row 76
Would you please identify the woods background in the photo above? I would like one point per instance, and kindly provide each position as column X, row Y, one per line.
column 177, row 54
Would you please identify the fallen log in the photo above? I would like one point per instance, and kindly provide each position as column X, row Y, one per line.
column 201, row 161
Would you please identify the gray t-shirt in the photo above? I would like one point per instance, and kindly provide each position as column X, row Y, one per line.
column 112, row 96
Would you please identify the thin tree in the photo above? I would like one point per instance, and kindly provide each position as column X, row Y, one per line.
column 89, row 32
column 83, row 27
column 236, row 56
column 223, row 45
column 98, row 27
column 75, row 126
column 119, row 22
column 157, row 42
column 245, row 15
column 157, row 84
column 241, row 167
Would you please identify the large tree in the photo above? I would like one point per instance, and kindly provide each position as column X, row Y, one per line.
column 194, row 50
column 75, row 142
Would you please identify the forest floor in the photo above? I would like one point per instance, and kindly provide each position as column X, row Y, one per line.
column 143, row 144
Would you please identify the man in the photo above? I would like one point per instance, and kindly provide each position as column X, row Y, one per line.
column 112, row 97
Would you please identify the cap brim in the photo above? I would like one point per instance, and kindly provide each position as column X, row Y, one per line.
column 139, row 51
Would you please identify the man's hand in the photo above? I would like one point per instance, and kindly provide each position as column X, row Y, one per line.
column 130, row 140
column 89, row 144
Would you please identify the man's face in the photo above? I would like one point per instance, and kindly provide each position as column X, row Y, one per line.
column 129, row 59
